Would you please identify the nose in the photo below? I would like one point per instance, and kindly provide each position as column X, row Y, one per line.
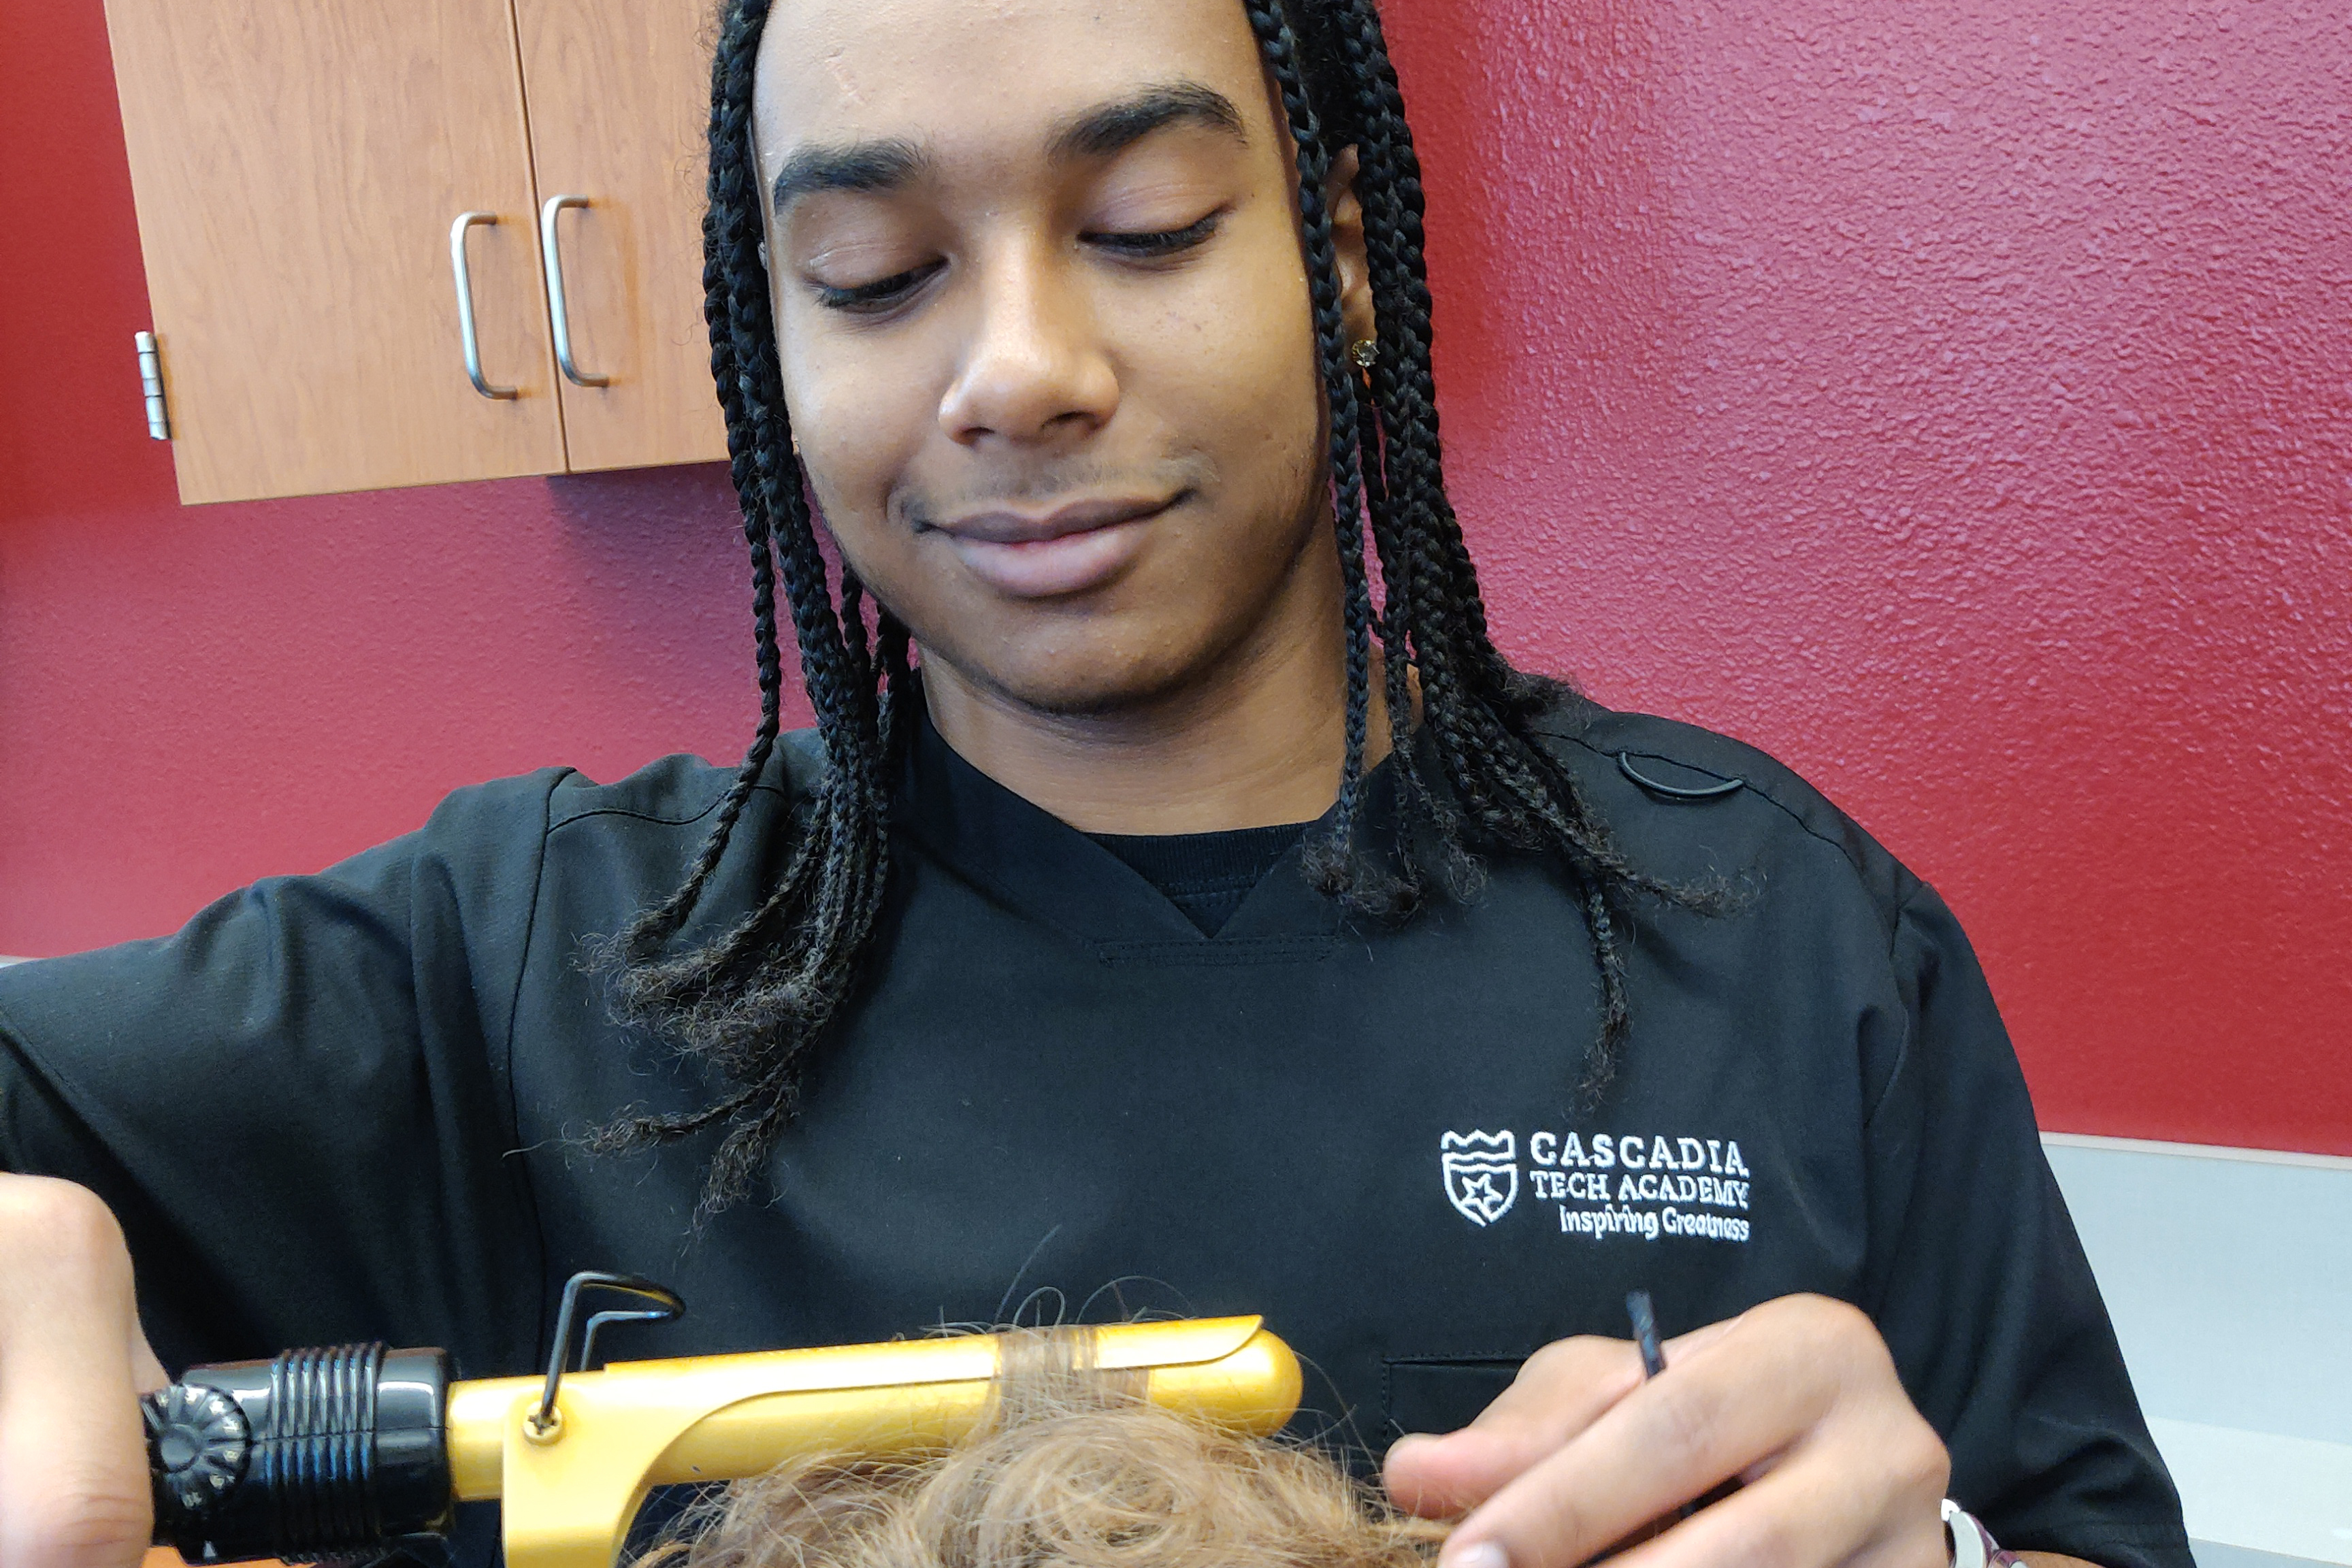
column 1035, row 370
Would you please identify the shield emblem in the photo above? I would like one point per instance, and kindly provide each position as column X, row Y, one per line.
column 1481, row 1173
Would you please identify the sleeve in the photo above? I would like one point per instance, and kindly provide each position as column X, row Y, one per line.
column 1982, row 1290
column 297, row 1105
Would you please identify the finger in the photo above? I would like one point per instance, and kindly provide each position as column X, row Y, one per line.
column 1559, row 1392
column 1698, row 1339
column 73, row 1468
column 1822, row 1505
column 1664, row 1444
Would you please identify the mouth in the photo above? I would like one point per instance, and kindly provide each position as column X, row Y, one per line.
column 1068, row 550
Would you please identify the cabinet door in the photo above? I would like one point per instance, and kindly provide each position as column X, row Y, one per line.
column 297, row 167
column 619, row 94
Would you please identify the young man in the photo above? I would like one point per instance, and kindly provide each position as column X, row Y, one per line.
column 1185, row 928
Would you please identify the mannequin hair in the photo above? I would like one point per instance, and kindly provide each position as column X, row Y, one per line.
column 1070, row 1469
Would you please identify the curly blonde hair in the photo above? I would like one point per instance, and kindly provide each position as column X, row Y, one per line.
column 1072, row 1470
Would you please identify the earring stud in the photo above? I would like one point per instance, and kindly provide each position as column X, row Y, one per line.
column 1364, row 351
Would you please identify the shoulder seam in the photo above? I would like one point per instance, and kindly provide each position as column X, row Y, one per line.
column 582, row 815
column 1901, row 913
column 514, row 1011
column 1749, row 784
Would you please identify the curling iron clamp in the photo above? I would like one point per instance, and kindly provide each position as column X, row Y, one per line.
column 341, row 1452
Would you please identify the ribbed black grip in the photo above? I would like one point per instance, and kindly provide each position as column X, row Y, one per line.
column 316, row 1453
column 317, row 1468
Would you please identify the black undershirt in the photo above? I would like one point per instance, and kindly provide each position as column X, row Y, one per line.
column 1207, row 875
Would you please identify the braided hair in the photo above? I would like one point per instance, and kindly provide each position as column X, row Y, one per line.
column 753, row 1001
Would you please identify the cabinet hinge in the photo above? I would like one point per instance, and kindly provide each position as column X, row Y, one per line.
column 151, row 382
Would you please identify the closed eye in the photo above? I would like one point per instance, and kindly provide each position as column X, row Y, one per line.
column 879, row 295
column 1158, row 243
column 883, row 293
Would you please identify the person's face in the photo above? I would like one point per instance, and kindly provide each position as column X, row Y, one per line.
column 1046, row 332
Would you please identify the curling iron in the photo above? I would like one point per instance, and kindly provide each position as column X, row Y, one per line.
column 343, row 1451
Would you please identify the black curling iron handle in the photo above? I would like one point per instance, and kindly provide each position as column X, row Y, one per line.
column 312, row 1453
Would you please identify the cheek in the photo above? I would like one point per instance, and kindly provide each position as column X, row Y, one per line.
column 861, row 411
column 1233, row 368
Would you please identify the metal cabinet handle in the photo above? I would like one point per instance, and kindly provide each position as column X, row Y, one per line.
column 466, row 303
column 552, row 256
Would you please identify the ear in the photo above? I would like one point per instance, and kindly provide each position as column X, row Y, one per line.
column 1348, row 246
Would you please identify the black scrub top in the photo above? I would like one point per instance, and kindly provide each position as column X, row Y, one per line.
column 348, row 1107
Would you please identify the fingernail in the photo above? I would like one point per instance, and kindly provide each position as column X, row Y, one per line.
column 1478, row 1555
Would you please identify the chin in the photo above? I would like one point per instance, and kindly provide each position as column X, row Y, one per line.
column 1093, row 693
column 1089, row 680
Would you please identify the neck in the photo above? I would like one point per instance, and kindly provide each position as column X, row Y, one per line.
column 1256, row 739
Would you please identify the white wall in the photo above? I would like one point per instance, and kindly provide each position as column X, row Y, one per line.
column 2229, row 1275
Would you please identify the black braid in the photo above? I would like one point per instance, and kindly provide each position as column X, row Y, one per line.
column 753, row 999
column 1505, row 789
column 1332, row 862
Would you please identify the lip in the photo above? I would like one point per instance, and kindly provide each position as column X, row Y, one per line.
column 1068, row 550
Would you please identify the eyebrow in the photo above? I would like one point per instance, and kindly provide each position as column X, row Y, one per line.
column 1115, row 126
column 885, row 164
column 878, row 166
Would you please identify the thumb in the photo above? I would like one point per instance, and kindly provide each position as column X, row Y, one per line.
column 73, row 1462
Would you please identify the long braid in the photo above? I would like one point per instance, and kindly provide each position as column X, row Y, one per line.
column 646, row 934
column 1512, row 792
column 753, row 1001
column 1329, row 861
column 1396, row 609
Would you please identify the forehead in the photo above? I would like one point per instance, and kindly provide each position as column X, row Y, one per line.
column 986, row 73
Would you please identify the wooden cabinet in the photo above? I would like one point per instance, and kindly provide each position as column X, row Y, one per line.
column 620, row 95
column 299, row 166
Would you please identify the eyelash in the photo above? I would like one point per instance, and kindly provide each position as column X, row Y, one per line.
column 1160, row 242
column 866, row 299
column 872, row 298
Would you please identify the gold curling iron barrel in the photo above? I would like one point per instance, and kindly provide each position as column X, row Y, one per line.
column 331, row 1452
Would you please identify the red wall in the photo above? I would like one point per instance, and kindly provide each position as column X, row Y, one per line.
column 1954, row 396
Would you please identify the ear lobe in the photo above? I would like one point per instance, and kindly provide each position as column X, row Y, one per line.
column 1348, row 246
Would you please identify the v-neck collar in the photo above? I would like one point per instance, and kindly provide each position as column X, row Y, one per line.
column 1054, row 873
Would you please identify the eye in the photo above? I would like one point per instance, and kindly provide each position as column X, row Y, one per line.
column 1158, row 243
column 869, row 299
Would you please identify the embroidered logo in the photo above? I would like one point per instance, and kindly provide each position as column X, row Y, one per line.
column 1481, row 1173
column 1605, row 1186
column 1642, row 1185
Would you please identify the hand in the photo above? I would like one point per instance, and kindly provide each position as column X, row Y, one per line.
column 73, row 1361
column 1796, row 1398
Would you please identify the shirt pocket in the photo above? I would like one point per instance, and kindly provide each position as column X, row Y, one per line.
column 1438, row 1394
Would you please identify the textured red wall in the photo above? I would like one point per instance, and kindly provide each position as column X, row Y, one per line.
column 1954, row 396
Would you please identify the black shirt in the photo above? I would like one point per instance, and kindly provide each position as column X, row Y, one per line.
column 345, row 1106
